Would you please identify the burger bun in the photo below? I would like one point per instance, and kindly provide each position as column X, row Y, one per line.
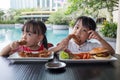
column 98, row 50
column 100, row 53
column 102, row 58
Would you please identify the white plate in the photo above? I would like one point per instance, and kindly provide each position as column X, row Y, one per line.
column 16, row 57
column 88, row 60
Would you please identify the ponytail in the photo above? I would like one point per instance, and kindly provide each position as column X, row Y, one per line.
column 45, row 43
column 42, row 29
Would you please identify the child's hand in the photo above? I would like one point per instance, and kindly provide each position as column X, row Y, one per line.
column 64, row 43
column 76, row 39
column 14, row 45
column 22, row 42
column 94, row 35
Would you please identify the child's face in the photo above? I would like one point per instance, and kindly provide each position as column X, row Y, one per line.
column 81, row 32
column 31, row 38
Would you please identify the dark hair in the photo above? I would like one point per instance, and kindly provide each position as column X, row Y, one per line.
column 87, row 22
column 38, row 27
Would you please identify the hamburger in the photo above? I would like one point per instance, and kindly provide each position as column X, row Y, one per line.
column 100, row 53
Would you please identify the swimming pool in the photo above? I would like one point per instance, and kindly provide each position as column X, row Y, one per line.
column 12, row 33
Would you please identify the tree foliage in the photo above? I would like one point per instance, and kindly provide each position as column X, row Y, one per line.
column 1, row 13
column 58, row 18
column 90, row 6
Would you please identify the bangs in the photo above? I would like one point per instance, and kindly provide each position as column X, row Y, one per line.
column 32, row 27
column 87, row 22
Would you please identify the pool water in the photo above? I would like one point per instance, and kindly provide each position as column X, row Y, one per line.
column 11, row 33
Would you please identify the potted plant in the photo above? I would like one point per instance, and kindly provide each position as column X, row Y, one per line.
column 109, row 30
column 59, row 20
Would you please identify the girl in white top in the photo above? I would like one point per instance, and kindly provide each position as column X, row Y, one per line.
column 84, row 30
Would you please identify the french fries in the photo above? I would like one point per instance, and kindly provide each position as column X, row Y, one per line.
column 82, row 56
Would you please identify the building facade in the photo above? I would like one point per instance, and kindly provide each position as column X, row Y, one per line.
column 40, row 4
column 44, row 8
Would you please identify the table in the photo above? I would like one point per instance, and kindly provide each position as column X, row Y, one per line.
column 73, row 71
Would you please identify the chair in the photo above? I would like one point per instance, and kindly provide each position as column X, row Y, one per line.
column 50, row 45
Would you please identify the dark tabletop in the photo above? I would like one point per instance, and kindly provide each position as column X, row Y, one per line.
column 73, row 71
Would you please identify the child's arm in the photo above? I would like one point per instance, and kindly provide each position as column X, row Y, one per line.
column 9, row 49
column 62, row 45
column 5, row 51
column 95, row 35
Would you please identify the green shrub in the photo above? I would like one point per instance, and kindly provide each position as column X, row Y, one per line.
column 58, row 18
column 8, row 22
column 71, row 23
column 109, row 29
